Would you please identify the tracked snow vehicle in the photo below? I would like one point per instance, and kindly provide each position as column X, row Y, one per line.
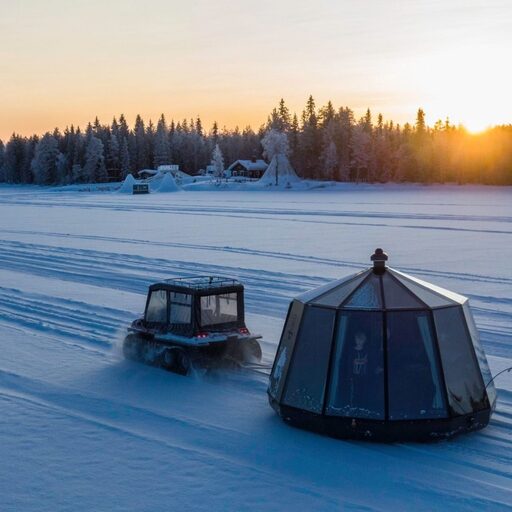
column 193, row 322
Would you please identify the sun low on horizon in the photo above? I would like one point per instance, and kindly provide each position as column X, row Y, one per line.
column 66, row 63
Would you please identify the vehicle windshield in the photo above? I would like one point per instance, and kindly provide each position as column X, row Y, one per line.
column 219, row 309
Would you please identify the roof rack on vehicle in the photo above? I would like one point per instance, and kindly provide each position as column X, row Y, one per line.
column 202, row 282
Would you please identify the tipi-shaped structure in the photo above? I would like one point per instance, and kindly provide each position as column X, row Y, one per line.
column 382, row 355
column 127, row 185
column 280, row 172
column 167, row 184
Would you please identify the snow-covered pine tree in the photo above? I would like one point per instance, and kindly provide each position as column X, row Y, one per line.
column 162, row 149
column 218, row 162
column 29, row 150
column 275, row 143
column 310, row 140
column 62, row 169
column 214, row 134
column 329, row 159
column 113, row 155
column 140, row 146
column 13, row 158
column 124, row 158
column 94, row 167
column 44, row 163
column 346, row 123
column 78, row 174
column 124, row 130
column 150, row 143
column 360, row 146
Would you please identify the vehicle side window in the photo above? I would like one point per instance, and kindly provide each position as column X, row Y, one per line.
column 181, row 308
column 157, row 307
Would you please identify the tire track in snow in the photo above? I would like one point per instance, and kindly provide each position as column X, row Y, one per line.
column 134, row 273
column 332, row 262
column 218, row 445
column 71, row 319
column 245, row 211
column 187, row 437
column 267, row 292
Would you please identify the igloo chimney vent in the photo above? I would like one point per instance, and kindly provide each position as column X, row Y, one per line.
column 379, row 258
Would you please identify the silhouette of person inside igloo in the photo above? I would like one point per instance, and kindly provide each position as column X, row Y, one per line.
column 358, row 388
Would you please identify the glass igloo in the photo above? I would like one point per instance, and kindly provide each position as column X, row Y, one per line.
column 382, row 355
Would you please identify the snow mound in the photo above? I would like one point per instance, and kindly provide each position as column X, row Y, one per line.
column 286, row 174
column 127, row 186
column 168, row 184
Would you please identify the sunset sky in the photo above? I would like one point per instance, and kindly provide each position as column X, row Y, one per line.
column 65, row 62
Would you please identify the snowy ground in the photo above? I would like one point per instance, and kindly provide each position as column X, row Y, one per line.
column 82, row 429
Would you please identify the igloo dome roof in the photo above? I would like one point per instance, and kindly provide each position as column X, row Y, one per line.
column 380, row 288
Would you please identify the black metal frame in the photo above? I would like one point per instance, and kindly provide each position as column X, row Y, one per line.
column 382, row 430
column 195, row 327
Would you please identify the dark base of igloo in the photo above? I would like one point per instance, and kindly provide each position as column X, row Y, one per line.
column 382, row 431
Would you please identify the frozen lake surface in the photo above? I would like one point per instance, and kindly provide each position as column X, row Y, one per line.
column 83, row 429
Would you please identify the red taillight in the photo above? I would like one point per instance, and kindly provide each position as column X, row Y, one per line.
column 243, row 330
column 201, row 335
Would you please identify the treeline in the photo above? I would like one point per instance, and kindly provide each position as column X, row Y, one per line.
column 326, row 143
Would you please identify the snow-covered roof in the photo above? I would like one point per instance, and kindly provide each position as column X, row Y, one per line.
column 250, row 165
column 151, row 172
column 169, row 167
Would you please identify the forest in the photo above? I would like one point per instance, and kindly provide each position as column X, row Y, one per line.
column 325, row 143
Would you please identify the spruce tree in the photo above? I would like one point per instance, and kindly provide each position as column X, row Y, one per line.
column 13, row 158
column 141, row 149
column 218, row 162
column 94, row 167
column 310, row 140
column 113, row 156
column 360, row 150
column 162, row 149
column 124, row 159
column 44, row 163
column 329, row 159
column 29, row 149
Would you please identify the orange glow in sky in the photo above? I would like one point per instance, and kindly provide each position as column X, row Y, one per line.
column 66, row 62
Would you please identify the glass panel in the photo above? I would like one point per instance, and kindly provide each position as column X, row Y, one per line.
column 414, row 381
column 219, row 309
column 181, row 298
column 480, row 354
column 367, row 296
column 339, row 291
column 305, row 384
column 432, row 295
column 180, row 314
column 181, row 308
column 285, row 350
column 396, row 296
column 461, row 372
column 157, row 307
column 357, row 377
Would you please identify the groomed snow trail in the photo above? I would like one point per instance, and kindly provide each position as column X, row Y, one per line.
column 83, row 429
